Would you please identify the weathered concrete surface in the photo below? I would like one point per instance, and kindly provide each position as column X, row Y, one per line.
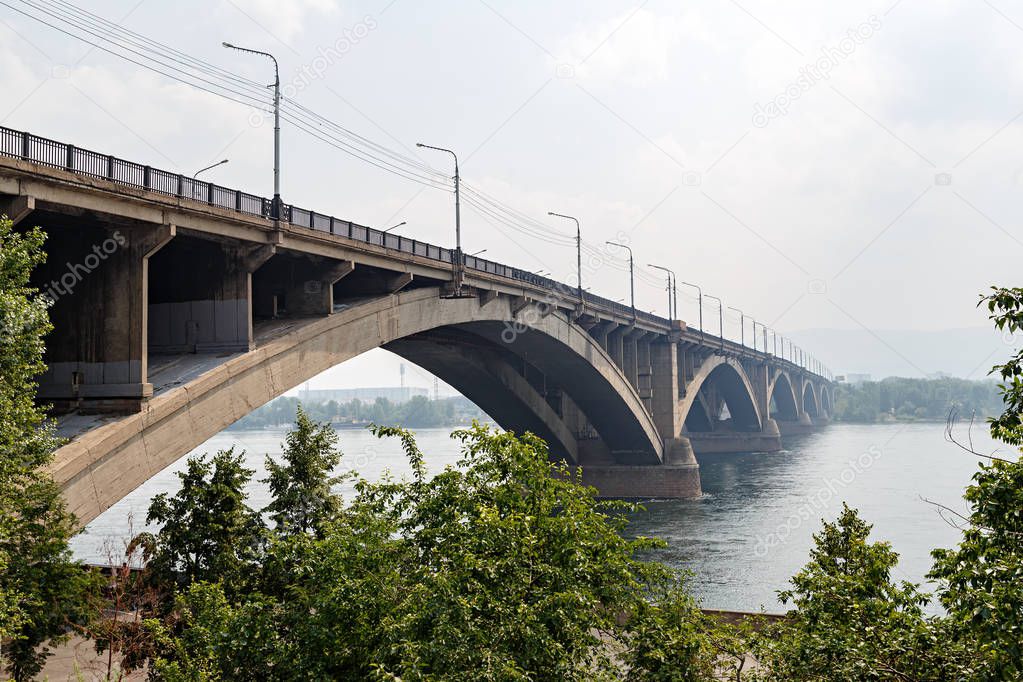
column 723, row 442
column 663, row 480
column 104, row 464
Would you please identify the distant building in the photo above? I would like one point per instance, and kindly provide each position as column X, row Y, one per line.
column 395, row 394
column 939, row 375
column 853, row 378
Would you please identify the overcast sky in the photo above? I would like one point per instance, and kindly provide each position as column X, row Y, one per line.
column 818, row 165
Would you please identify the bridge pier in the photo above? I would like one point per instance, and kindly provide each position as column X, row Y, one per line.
column 730, row 442
column 297, row 285
column 98, row 279
column 678, row 481
column 200, row 296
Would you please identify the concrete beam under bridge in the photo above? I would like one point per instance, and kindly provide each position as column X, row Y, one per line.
column 98, row 278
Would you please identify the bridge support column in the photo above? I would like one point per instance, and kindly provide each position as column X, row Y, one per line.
column 761, row 381
column 645, row 374
column 99, row 282
column 664, row 375
column 616, row 346
column 309, row 286
column 201, row 297
column 669, row 481
column 630, row 359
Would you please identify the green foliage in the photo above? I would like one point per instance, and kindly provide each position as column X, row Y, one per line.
column 852, row 622
column 897, row 398
column 1006, row 308
column 505, row 567
column 670, row 639
column 301, row 486
column 42, row 590
column 208, row 532
column 982, row 579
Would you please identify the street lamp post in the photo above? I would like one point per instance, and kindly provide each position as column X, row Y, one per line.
column 209, row 167
column 632, row 276
column 459, row 264
column 203, row 170
column 721, row 319
column 578, row 251
column 393, row 227
column 742, row 327
column 275, row 209
column 764, row 328
column 699, row 303
column 672, row 291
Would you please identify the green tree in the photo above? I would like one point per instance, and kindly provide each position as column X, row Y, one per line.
column 301, row 484
column 852, row 622
column 981, row 581
column 42, row 590
column 207, row 530
column 502, row 568
column 670, row 639
column 1006, row 310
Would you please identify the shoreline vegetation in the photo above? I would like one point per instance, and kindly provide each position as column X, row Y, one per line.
column 504, row 567
column 900, row 399
column 419, row 412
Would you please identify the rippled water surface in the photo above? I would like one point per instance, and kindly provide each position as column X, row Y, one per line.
column 743, row 539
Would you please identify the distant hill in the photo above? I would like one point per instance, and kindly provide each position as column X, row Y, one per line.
column 967, row 353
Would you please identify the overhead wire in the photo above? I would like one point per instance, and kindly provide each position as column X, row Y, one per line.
column 140, row 40
column 231, row 88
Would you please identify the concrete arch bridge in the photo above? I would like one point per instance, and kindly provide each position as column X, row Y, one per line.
column 180, row 306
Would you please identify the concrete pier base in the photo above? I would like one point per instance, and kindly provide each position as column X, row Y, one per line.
column 668, row 481
column 729, row 442
column 795, row 428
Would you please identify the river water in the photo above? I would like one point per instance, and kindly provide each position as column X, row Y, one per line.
column 742, row 540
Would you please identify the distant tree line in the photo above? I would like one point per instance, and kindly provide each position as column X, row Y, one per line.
column 897, row 398
column 419, row 412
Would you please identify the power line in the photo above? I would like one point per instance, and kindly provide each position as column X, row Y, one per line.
column 234, row 96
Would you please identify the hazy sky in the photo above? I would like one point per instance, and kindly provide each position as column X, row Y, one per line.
column 819, row 165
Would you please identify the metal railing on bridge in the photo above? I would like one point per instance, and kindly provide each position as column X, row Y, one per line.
column 28, row 147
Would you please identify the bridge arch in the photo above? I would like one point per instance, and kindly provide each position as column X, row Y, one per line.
column 825, row 401
column 104, row 464
column 728, row 379
column 782, row 395
column 810, row 403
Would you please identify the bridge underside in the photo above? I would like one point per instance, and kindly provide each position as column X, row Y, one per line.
column 171, row 323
